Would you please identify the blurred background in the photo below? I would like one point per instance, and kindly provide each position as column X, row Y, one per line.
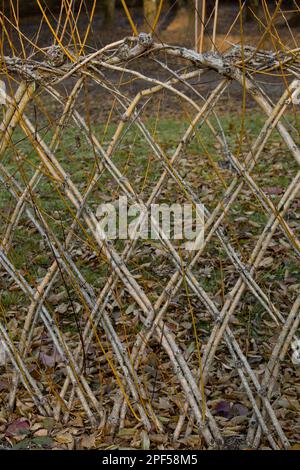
column 176, row 18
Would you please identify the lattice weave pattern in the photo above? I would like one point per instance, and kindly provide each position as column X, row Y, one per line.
column 119, row 283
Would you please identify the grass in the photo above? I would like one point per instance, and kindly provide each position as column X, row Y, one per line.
column 199, row 165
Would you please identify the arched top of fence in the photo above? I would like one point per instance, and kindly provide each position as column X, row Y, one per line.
column 57, row 63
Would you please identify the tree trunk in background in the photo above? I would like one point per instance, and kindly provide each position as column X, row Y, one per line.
column 295, row 19
column 109, row 11
column 191, row 13
column 209, row 8
column 150, row 8
column 28, row 7
column 251, row 6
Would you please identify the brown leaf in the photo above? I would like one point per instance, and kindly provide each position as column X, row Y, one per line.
column 64, row 438
column 17, row 427
column 273, row 190
column 41, row 433
column 295, row 447
column 88, row 441
column 62, row 308
column 266, row 262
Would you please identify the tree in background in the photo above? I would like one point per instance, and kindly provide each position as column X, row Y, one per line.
column 109, row 11
column 251, row 9
column 150, row 9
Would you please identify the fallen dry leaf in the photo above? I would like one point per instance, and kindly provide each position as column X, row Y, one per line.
column 88, row 441
column 17, row 427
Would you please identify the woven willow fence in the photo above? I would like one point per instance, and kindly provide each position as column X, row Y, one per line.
column 103, row 349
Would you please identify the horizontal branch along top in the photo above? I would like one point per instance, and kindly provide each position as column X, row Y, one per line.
column 55, row 67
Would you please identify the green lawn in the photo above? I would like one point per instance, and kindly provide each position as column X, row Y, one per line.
column 202, row 166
